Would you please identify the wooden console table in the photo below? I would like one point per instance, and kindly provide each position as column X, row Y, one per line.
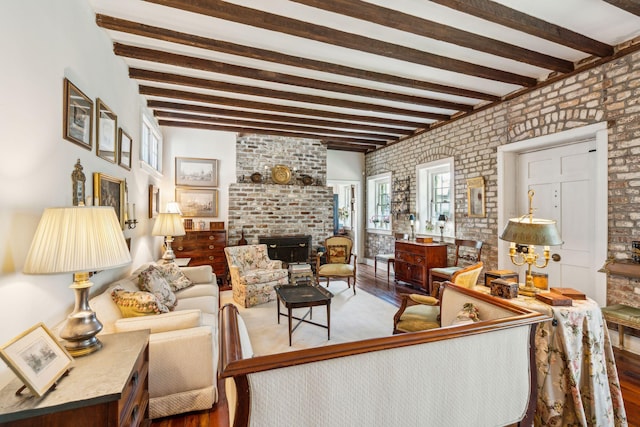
column 106, row 388
column 414, row 260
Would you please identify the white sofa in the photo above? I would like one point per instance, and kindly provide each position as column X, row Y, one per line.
column 479, row 374
column 183, row 345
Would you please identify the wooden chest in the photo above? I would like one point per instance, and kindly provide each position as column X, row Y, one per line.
column 414, row 260
column 204, row 247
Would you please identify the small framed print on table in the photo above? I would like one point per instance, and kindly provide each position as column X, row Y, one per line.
column 106, row 132
column 36, row 358
column 197, row 202
column 475, row 197
column 124, row 149
column 194, row 172
column 78, row 116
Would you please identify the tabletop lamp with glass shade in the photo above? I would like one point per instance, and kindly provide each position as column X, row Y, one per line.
column 525, row 233
column 168, row 224
column 78, row 240
column 442, row 221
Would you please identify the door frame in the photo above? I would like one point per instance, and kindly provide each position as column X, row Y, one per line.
column 506, row 156
column 358, row 245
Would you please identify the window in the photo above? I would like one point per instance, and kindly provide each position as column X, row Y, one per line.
column 379, row 202
column 435, row 197
column 151, row 144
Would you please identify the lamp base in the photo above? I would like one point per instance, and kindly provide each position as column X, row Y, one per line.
column 82, row 348
column 528, row 291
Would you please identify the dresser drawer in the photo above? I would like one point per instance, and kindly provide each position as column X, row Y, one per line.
column 135, row 397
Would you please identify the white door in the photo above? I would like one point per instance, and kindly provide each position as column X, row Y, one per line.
column 563, row 179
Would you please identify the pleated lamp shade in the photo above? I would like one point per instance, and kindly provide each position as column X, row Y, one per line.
column 168, row 224
column 77, row 239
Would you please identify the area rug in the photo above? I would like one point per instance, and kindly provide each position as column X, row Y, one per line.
column 353, row 318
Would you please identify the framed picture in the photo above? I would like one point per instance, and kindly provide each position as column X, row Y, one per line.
column 78, row 116
column 475, row 197
column 106, row 132
column 154, row 201
column 36, row 358
column 197, row 202
column 109, row 191
column 196, row 172
column 124, row 149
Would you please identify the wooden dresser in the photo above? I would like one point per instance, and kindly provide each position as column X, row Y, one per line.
column 204, row 247
column 107, row 388
column 414, row 260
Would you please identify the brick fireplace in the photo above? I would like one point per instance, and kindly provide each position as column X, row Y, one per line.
column 266, row 209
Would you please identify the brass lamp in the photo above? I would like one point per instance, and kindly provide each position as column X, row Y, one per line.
column 78, row 240
column 532, row 232
column 168, row 225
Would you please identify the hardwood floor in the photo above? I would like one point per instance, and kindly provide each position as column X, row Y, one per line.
column 628, row 365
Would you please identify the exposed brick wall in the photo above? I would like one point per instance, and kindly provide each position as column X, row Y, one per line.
column 610, row 92
column 269, row 209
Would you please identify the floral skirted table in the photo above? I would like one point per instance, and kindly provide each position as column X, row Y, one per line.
column 578, row 382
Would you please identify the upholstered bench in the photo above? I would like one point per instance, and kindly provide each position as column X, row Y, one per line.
column 622, row 315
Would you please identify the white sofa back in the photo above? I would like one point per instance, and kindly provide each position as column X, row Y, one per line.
column 478, row 374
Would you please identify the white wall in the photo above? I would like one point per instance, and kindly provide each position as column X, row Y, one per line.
column 345, row 166
column 206, row 144
column 42, row 42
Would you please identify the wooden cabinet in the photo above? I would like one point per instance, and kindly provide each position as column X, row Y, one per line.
column 107, row 388
column 204, row 247
column 414, row 260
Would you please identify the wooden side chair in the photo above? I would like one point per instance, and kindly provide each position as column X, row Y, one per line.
column 389, row 259
column 340, row 261
column 422, row 312
column 471, row 251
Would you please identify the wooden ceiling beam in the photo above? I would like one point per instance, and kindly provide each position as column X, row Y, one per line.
column 631, row 6
column 164, row 34
column 499, row 14
column 277, row 118
column 412, row 24
column 349, row 147
column 268, row 125
column 239, row 103
column 192, row 125
column 259, row 19
column 176, row 79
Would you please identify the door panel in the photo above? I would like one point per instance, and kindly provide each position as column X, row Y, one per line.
column 562, row 180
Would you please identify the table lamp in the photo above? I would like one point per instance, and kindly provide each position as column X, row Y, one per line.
column 168, row 225
column 442, row 220
column 78, row 240
column 412, row 220
column 532, row 232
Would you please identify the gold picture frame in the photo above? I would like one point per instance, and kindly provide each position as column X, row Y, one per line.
column 36, row 358
column 194, row 172
column 125, row 144
column 154, row 201
column 197, row 202
column 109, row 191
column 78, row 116
column 106, row 132
column 475, row 197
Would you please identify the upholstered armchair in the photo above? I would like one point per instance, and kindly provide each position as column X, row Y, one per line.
column 421, row 312
column 253, row 274
column 340, row 262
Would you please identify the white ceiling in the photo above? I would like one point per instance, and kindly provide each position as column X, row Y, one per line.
column 596, row 19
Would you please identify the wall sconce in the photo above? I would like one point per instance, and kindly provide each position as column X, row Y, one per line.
column 131, row 223
column 525, row 233
column 442, row 220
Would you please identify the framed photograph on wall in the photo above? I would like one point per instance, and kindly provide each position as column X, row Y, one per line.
column 78, row 116
column 194, row 172
column 109, row 191
column 106, row 132
column 124, row 149
column 36, row 358
column 154, row 201
column 197, row 202
column 475, row 197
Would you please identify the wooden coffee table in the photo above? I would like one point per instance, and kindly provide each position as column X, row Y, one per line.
column 301, row 296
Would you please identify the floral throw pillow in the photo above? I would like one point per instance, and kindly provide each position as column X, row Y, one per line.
column 133, row 304
column 152, row 280
column 176, row 278
column 468, row 314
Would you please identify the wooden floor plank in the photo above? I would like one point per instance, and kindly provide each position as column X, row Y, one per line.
column 628, row 363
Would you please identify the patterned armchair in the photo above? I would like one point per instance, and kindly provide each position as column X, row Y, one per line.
column 253, row 274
